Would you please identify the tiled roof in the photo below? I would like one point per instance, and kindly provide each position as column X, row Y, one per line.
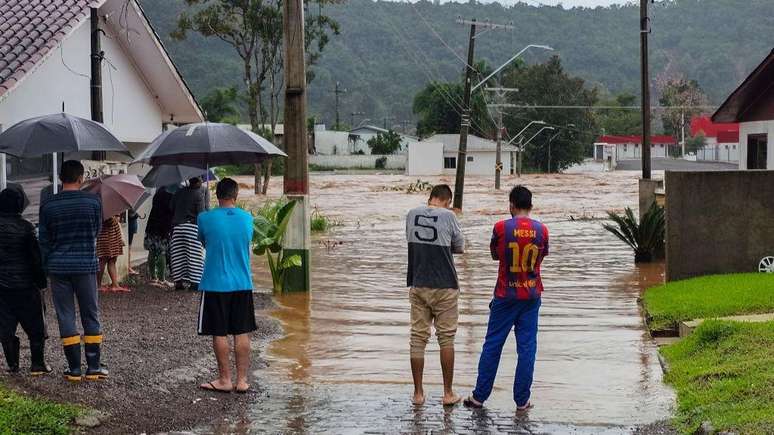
column 31, row 28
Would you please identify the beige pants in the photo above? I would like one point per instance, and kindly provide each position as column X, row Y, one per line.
column 432, row 307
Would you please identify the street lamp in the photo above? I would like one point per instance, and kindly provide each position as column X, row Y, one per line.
column 495, row 72
column 525, row 129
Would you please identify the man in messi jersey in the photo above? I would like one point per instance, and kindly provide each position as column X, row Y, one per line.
column 519, row 244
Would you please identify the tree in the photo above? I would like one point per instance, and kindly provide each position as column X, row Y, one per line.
column 220, row 105
column 549, row 84
column 385, row 143
column 620, row 121
column 685, row 94
column 253, row 28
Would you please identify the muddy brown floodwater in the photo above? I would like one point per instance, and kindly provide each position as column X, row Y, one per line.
column 343, row 364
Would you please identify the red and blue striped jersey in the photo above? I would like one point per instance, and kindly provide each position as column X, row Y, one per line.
column 520, row 244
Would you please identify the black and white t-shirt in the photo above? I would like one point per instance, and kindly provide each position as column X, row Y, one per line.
column 433, row 234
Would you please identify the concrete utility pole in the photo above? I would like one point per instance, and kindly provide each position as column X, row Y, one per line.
column 551, row 139
column 644, row 31
column 298, row 236
column 97, row 55
column 459, row 184
column 500, row 95
column 682, row 130
column 338, row 91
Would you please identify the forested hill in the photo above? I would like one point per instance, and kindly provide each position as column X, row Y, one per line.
column 387, row 51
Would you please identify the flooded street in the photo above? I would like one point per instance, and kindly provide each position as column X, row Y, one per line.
column 343, row 365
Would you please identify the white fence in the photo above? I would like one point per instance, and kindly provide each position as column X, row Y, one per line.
column 395, row 161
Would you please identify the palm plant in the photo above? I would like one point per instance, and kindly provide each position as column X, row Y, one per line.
column 269, row 226
column 646, row 237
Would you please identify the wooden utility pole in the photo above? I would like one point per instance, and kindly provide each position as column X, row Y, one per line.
column 459, row 182
column 298, row 237
column 96, row 56
column 644, row 31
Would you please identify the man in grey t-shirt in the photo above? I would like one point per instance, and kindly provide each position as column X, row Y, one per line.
column 433, row 235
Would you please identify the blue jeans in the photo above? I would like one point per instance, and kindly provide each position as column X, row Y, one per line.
column 504, row 314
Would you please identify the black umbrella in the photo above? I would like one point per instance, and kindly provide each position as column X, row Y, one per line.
column 204, row 145
column 56, row 133
column 167, row 175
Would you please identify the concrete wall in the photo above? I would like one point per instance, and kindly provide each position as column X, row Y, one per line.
column 724, row 152
column 718, row 222
column 756, row 127
column 395, row 161
column 425, row 158
column 331, row 142
column 483, row 163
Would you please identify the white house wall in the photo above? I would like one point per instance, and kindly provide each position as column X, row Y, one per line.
column 757, row 127
column 331, row 142
column 129, row 110
column 483, row 163
column 425, row 158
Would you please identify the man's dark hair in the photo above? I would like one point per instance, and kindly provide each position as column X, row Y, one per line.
column 521, row 198
column 442, row 192
column 195, row 182
column 12, row 200
column 227, row 189
column 71, row 171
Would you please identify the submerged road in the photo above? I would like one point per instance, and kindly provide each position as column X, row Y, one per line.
column 342, row 366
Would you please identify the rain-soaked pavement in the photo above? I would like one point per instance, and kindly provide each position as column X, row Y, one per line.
column 342, row 366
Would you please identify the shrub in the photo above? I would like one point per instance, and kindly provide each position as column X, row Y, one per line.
column 646, row 238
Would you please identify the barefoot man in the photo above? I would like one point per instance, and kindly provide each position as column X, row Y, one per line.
column 519, row 244
column 433, row 235
column 227, row 286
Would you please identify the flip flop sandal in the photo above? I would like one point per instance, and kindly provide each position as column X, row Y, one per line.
column 525, row 407
column 211, row 387
column 470, row 403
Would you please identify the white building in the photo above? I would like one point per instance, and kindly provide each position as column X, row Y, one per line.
column 46, row 65
column 437, row 155
column 616, row 148
column 721, row 140
column 752, row 106
column 358, row 139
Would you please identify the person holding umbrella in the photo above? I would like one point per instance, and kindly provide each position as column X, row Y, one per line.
column 21, row 281
column 69, row 224
column 185, row 248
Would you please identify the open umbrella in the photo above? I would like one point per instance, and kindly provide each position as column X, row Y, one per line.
column 167, row 175
column 118, row 192
column 57, row 133
column 204, row 145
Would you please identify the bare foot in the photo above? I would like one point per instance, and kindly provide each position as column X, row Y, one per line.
column 242, row 387
column 133, row 272
column 217, row 386
column 524, row 407
column 451, row 399
column 119, row 289
column 419, row 399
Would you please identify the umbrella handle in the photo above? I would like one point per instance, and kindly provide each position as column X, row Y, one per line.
column 55, row 176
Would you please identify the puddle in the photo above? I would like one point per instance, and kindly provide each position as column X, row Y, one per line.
column 349, row 337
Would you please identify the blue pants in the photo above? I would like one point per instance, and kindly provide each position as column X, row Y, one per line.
column 65, row 289
column 504, row 314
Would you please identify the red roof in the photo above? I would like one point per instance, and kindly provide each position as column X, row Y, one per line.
column 658, row 139
column 31, row 28
column 728, row 136
column 703, row 125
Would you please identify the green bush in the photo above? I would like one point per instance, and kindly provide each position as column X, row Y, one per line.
column 321, row 223
column 646, row 238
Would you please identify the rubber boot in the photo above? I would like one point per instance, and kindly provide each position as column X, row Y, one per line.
column 72, row 351
column 94, row 370
column 38, row 357
column 11, row 351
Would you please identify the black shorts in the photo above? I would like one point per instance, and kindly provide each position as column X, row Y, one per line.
column 226, row 313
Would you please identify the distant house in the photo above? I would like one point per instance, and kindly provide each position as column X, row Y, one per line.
column 279, row 131
column 438, row 154
column 752, row 106
column 358, row 139
column 721, row 140
column 615, row 148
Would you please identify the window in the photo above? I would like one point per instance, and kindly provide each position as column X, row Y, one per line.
column 757, row 151
column 450, row 163
column 470, row 158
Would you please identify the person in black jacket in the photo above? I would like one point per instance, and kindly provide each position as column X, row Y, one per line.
column 21, row 281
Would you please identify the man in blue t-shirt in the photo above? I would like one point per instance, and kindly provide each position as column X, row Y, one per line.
column 227, row 286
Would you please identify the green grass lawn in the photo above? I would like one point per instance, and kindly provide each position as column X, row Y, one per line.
column 24, row 415
column 724, row 372
column 709, row 296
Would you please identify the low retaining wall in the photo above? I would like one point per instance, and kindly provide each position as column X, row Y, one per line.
column 718, row 222
column 368, row 161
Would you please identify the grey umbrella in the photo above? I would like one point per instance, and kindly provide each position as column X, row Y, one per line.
column 204, row 145
column 56, row 133
column 167, row 175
